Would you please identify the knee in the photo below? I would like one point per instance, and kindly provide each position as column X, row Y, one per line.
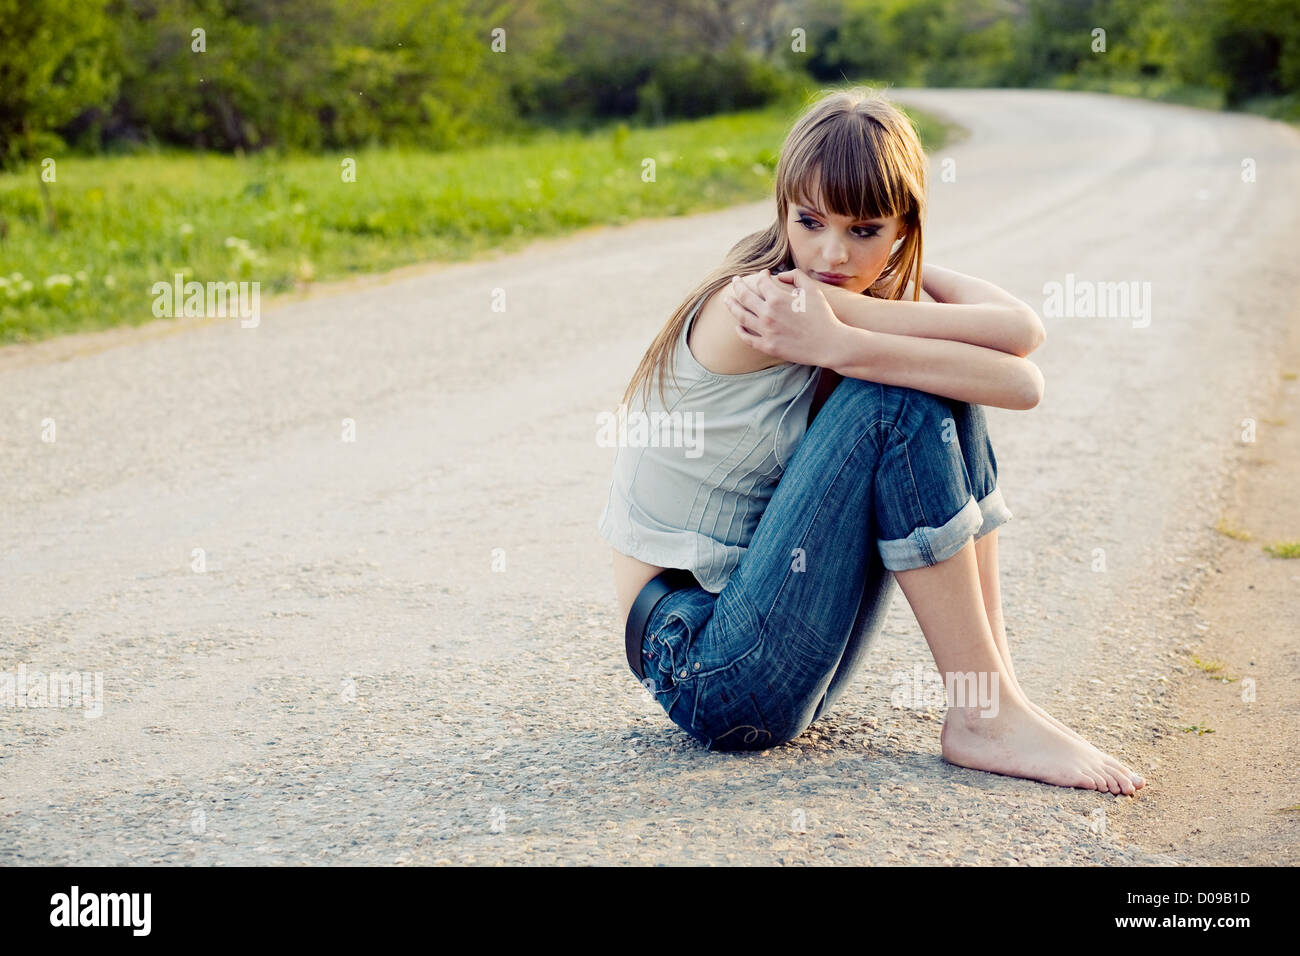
column 853, row 405
column 921, row 415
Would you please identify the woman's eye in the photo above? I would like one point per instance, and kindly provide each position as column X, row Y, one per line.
column 868, row 232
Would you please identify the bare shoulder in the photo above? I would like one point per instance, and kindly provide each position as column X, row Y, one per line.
column 714, row 342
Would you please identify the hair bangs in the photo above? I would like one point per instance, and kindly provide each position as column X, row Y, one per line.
column 849, row 166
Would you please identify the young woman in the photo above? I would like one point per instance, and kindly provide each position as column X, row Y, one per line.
column 844, row 448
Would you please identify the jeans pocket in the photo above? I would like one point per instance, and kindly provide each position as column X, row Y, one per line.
column 727, row 715
column 696, row 632
column 666, row 647
column 731, row 634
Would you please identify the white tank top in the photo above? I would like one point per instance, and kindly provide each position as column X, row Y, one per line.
column 691, row 479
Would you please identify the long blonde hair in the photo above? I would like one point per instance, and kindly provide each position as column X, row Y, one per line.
column 870, row 163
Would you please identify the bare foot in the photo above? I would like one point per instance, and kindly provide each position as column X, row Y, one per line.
column 1018, row 742
column 1114, row 764
column 1136, row 781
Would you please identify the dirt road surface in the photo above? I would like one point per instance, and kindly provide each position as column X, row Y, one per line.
column 403, row 648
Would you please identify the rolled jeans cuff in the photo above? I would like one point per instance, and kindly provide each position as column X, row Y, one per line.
column 926, row 547
column 995, row 512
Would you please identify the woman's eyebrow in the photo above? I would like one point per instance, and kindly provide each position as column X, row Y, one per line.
column 808, row 207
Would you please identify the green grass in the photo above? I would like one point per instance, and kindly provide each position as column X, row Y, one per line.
column 124, row 223
column 1231, row 531
column 1284, row 549
column 1216, row 669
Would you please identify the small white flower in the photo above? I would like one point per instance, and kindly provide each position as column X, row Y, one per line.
column 59, row 279
column 232, row 241
column 81, row 276
column 110, row 282
column 186, row 229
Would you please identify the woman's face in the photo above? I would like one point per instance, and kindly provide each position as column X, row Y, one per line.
column 822, row 243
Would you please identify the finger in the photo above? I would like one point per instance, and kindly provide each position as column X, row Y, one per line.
column 734, row 306
column 744, row 316
column 774, row 288
column 750, row 282
column 745, row 296
column 742, row 283
column 768, row 284
column 750, row 338
column 780, row 283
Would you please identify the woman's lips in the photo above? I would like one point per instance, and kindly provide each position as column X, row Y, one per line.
column 831, row 277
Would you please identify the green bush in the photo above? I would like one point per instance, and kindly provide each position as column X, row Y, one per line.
column 55, row 63
column 704, row 84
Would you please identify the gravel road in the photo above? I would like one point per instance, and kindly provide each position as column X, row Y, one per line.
column 404, row 648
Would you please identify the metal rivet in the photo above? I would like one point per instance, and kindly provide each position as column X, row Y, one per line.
column 697, row 665
column 683, row 673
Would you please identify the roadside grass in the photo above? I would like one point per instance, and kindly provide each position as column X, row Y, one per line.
column 1215, row 669
column 285, row 221
column 1224, row 527
column 1284, row 549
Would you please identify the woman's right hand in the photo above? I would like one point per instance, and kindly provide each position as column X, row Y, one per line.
column 786, row 316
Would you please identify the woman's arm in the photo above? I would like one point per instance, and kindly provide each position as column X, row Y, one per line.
column 803, row 328
column 967, row 310
column 956, row 370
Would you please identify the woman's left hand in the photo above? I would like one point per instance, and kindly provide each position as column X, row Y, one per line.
column 792, row 324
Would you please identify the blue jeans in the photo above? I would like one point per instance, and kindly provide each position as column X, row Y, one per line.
column 885, row 479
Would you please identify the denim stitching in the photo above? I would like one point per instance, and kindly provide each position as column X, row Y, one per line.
column 752, row 732
column 691, row 673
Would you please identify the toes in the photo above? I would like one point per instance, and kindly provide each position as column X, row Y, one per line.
column 1098, row 781
column 1117, row 772
column 1112, row 781
column 1124, row 773
column 1115, row 769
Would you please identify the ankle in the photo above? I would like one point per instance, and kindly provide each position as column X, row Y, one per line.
column 1003, row 703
